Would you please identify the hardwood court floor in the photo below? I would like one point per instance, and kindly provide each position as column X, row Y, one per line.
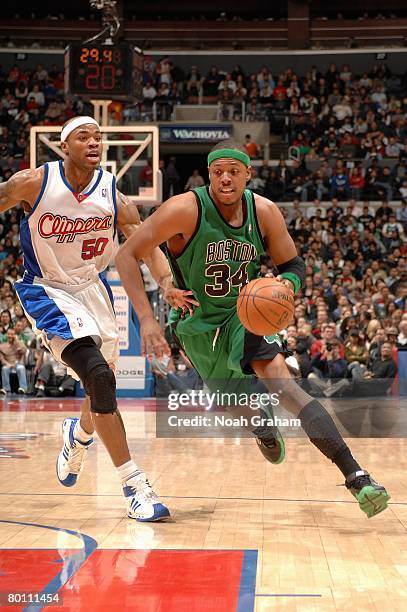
column 245, row 535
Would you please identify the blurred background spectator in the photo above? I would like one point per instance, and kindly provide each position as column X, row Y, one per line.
column 12, row 357
column 52, row 376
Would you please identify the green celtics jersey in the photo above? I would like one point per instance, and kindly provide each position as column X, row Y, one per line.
column 216, row 263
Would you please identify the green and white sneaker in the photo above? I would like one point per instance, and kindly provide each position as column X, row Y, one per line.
column 372, row 497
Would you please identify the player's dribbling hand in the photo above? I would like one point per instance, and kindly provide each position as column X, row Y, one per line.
column 181, row 298
column 285, row 281
column 153, row 342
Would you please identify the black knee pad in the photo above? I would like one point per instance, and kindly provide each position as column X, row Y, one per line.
column 100, row 385
column 99, row 382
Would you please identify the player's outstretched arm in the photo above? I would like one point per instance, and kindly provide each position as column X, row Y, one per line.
column 173, row 217
column 129, row 222
column 280, row 246
column 23, row 186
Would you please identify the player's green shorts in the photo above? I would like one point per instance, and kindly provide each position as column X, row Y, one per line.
column 226, row 352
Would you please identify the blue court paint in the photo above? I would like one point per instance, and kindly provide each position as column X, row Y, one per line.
column 69, row 566
column 286, row 595
column 245, row 602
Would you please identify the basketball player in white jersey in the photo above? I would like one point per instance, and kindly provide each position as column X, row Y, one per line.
column 72, row 208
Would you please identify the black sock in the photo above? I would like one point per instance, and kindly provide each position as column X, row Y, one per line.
column 323, row 433
column 346, row 462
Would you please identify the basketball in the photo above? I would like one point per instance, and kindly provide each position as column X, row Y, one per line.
column 265, row 306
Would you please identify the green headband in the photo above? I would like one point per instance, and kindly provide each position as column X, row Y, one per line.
column 233, row 153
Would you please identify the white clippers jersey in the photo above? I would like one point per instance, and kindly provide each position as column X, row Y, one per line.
column 67, row 237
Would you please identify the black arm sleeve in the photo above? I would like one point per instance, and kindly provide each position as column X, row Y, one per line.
column 296, row 266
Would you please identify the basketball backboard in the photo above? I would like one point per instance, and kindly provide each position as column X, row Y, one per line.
column 127, row 150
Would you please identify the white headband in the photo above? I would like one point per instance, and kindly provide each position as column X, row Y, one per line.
column 75, row 123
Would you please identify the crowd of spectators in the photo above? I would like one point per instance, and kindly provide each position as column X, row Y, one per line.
column 359, row 121
column 318, row 111
column 352, row 310
column 353, row 129
column 26, row 367
column 344, row 180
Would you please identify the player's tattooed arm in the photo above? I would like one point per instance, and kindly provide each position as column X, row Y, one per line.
column 128, row 219
column 23, row 186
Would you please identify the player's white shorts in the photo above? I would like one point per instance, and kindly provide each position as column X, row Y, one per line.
column 61, row 314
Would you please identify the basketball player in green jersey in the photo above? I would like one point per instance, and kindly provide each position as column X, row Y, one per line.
column 215, row 236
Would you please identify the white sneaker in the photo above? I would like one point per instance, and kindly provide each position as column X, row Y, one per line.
column 142, row 503
column 72, row 456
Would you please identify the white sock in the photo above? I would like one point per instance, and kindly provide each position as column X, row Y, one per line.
column 80, row 434
column 128, row 470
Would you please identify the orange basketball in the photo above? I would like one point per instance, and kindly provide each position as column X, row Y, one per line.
column 265, row 306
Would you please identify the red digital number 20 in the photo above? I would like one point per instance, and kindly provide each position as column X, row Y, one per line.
column 93, row 247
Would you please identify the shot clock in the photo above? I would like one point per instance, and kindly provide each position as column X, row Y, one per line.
column 103, row 71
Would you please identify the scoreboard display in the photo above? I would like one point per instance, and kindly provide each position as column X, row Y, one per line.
column 100, row 71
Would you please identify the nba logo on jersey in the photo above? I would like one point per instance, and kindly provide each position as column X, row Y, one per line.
column 104, row 192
